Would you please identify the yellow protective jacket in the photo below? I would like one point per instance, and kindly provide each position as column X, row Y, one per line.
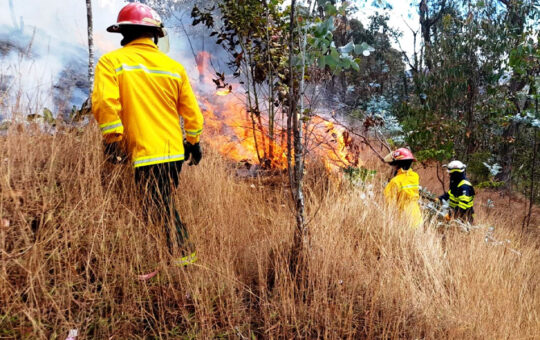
column 403, row 191
column 138, row 98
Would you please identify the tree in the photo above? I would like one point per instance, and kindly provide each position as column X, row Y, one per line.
column 90, row 23
column 277, row 50
column 469, row 98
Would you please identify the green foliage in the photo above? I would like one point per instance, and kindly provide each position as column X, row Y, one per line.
column 474, row 86
column 490, row 185
column 322, row 49
column 5, row 125
column 476, row 168
column 255, row 34
column 434, row 154
column 380, row 66
column 358, row 174
column 46, row 117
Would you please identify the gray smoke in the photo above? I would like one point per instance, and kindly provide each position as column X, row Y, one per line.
column 44, row 58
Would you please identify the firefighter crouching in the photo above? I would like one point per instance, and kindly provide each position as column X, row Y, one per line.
column 139, row 95
column 460, row 197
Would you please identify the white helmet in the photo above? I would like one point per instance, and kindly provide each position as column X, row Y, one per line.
column 455, row 166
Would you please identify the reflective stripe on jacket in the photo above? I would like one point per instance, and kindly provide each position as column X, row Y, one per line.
column 464, row 196
column 139, row 95
column 403, row 190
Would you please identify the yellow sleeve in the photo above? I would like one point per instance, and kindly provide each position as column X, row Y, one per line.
column 106, row 105
column 189, row 109
column 390, row 192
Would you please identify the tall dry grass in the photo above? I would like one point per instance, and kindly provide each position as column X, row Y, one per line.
column 76, row 241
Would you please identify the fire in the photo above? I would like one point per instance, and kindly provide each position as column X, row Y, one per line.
column 332, row 143
column 223, row 92
column 244, row 136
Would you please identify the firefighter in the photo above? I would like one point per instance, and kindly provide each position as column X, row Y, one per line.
column 461, row 193
column 138, row 98
column 403, row 188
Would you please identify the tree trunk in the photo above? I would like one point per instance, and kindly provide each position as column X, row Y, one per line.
column 271, row 110
column 515, row 22
column 296, row 171
column 426, row 22
column 90, row 45
column 299, row 148
column 527, row 219
column 439, row 178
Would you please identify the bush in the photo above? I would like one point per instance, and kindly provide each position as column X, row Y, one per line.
column 476, row 168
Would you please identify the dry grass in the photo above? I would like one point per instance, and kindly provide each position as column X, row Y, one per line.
column 76, row 242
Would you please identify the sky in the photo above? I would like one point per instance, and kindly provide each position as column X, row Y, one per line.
column 403, row 14
column 65, row 20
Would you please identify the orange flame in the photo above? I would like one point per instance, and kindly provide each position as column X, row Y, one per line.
column 223, row 92
column 231, row 129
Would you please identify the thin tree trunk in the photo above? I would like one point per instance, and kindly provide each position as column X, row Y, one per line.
column 258, row 110
column 90, row 44
column 251, row 82
column 441, row 180
column 527, row 219
column 515, row 22
column 251, row 116
column 271, row 110
column 299, row 149
column 296, row 173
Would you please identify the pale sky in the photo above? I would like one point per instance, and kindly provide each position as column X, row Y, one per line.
column 402, row 16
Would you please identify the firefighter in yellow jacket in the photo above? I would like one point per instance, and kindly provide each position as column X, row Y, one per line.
column 403, row 189
column 138, row 98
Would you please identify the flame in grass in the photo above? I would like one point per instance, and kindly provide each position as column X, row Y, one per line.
column 332, row 143
column 223, row 92
column 230, row 128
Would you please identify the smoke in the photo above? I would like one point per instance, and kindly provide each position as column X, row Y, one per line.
column 44, row 51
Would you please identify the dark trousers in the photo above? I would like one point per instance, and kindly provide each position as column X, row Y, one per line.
column 466, row 216
column 155, row 182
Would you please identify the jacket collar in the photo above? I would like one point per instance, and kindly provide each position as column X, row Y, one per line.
column 401, row 171
column 143, row 41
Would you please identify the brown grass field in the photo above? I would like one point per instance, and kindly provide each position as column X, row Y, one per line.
column 73, row 241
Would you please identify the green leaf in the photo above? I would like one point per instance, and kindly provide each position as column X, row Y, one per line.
column 364, row 49
column 343, row 9
column 322, row 62
column 332, row 60
column 355, row 66
column 347, row 48
column 330, row 9
column 48, row 115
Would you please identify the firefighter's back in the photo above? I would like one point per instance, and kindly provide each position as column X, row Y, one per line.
column 150, row 85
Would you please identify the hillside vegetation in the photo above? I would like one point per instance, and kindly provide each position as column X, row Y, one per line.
column 73, row 241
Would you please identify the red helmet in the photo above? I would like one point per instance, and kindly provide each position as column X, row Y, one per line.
column 401, row 154
column 137, row 14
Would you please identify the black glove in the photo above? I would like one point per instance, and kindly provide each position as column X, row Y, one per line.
column 194, row 151
column 114, row 153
